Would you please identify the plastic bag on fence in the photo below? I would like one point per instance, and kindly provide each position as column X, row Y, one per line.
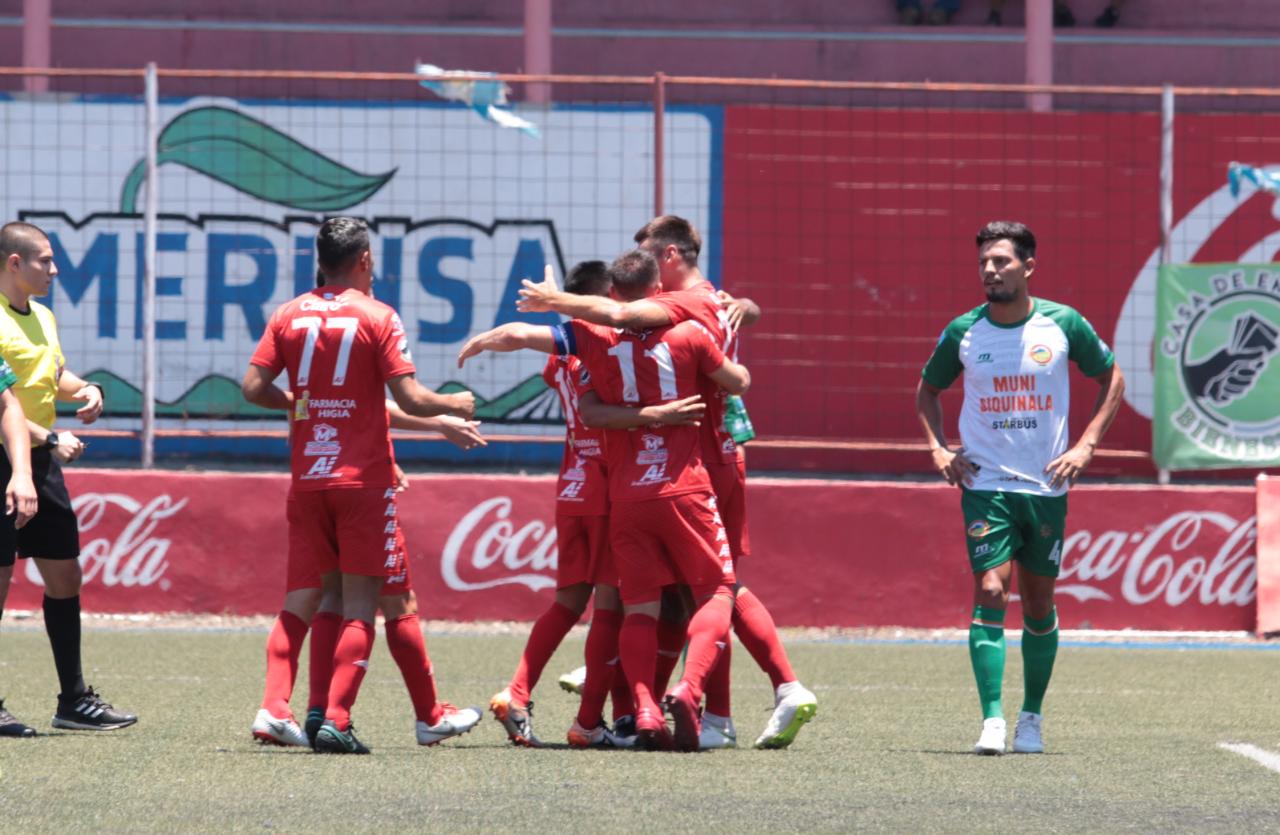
column 480, row 91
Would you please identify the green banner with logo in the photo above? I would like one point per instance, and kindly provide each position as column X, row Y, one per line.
column 1217, row 369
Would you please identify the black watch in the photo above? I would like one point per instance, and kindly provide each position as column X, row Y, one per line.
column 51, row 441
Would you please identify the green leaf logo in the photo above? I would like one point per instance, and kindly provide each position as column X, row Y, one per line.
column 256, row 159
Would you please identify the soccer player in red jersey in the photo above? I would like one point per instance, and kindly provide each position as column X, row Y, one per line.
column 342, row 349
column 687, row 295
column 664, row 528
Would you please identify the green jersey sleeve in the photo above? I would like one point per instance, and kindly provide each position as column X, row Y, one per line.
column 944, row 365
column 1085, row 348
column 7, row 378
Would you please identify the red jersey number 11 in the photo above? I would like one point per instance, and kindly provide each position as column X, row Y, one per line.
column 660, row 354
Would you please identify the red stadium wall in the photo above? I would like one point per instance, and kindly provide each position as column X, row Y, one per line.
column 854, row 229
column 849, row 554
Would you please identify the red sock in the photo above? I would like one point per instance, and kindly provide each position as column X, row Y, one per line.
column 548, row 631
column 350, row 663
column 671, row 641
column 325, row 627
column 404, row 639
column 602, row 662
column 638, row 646
column 719, row 700
column 708, row 636
column 284, row 645
column 754, row 626
column 620, row 695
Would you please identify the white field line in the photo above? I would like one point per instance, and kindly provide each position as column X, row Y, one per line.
column 1259, row 755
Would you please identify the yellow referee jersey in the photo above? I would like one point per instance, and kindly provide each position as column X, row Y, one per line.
column 29, row 343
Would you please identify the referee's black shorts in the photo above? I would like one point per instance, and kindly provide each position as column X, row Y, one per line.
column 53, row 532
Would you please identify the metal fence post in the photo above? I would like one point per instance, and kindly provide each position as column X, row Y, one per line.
column 659, row 141
column 152, row 104
column 1166, row 199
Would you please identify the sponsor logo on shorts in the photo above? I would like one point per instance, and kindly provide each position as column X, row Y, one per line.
column 979, row 528
column 324, row 442
column 1040, row 354
column 982, row 550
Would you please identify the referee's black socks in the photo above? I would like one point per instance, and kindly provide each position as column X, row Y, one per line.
column 62, row 624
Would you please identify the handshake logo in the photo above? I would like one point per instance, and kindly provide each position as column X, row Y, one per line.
column 1231, row 371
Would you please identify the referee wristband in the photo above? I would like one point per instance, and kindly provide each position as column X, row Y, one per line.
column 102, row 393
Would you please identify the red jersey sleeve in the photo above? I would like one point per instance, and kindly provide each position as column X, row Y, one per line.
column 680, row 306
column 700, row 345
column 394, row 359
column 268, row 354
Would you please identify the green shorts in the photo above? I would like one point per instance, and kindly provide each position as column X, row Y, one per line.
column 1014, row 526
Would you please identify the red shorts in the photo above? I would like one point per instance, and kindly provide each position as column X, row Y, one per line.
column 353, row 530
column 583, row 555
column 661, row 542
column 729, row 481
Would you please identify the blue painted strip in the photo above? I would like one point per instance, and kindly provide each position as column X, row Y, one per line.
column 959, row 642
column 1014, row 35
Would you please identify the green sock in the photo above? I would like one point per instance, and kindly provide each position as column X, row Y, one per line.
column 1039, row 648
column 986, row 651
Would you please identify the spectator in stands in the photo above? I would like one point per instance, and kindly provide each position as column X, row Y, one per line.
column 910, row 13
column 1062, row 15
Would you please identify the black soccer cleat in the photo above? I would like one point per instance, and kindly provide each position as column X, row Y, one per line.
column 10, row 726
column 330, row 740
column 90, row 712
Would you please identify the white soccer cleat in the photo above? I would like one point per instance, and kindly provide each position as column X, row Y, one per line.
column 1026, row 735
column 717, row 732
column 268, row 729
column 795, row 705
column 572, row 682
column 991, row 743
column 455, row 721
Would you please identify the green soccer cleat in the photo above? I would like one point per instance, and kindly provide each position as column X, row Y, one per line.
column 330, row 740
column 793, row 710
column 315, row 718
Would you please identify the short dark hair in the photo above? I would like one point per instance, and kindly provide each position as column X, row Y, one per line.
column 670, row 230
column 319, row 277
column 1024, row 243
column 339, row 241
column 588, row 278
column 633, row 273
column 21, row 238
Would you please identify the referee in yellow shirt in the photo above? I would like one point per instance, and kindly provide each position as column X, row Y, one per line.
column 29, row 343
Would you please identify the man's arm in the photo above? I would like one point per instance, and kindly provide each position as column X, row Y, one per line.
column 259, row 388
column 742, row 312
column 599, row 310
column 512, row 336
column 20, row 494
column 732, row 377
column 955, row 467
column 464, row 434
column 419, row 401
column 71, row 389
column 600, row 415
column 1068, row 466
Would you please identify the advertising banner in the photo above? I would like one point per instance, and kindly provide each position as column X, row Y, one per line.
column 1217, row 376
column 851, row 554
column 1268, row 555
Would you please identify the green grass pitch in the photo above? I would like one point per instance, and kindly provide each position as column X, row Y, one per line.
column 1133, row 738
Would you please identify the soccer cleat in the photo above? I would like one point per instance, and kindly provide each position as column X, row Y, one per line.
column 1026, row 734
column 90, row 712
column 624, row 731
column 651, row 732
column 269, row 730
column 687, row 715
column 991, row 743
column 790, row 714
column 330, row 740
column 717, row 732
column 517, row 719
column 453, row 722
column 598, row 737
column 572, row 682
column 10, row 726
column 315, row 718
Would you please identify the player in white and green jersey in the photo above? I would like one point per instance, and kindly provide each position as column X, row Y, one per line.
column 1013, row 464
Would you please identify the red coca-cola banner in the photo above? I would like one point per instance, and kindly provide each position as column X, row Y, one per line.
column 832, row 553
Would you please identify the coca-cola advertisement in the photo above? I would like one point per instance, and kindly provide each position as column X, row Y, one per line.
column 850, row 554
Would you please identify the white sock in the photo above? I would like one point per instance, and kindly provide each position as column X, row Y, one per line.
column 719, row 721
column 787, row 688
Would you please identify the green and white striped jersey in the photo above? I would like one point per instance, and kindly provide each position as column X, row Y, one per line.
column 1017, row 394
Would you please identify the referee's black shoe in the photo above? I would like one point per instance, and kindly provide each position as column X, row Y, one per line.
column 90, row 712
column 10, row 726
